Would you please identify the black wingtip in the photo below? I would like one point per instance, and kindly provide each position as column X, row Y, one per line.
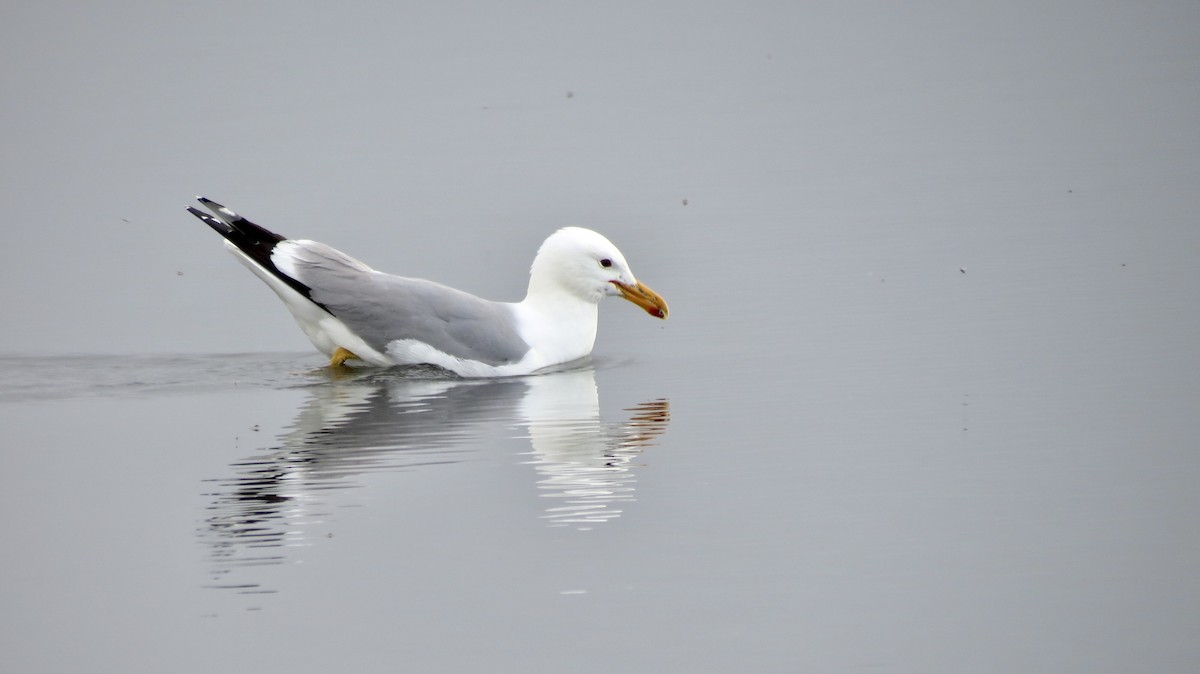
column 221, row 228
column 256, row 243
column 222, row 213
column 246, row 232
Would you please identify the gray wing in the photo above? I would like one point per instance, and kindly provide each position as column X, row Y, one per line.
column 381, row 308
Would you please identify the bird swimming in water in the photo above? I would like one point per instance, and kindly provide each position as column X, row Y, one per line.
column 351, row 312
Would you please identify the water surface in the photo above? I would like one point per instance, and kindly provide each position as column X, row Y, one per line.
column 875, row 521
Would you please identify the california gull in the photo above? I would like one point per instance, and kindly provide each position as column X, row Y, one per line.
column 351, row 312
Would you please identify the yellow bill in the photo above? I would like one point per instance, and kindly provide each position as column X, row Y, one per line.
column 645, row 298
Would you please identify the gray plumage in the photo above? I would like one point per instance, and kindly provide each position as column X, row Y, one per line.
column 382, row 308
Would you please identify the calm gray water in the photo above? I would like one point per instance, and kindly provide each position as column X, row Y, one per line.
column 914, row 503
column 927, row 400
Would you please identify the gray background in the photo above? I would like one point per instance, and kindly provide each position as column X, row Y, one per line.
column 931, row 366
column 447, row 142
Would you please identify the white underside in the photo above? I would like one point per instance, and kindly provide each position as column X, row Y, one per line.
column 415, row 352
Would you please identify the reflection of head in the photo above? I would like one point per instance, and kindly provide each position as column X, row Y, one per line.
column 584, row 464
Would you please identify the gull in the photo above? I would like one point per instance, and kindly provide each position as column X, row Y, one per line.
column 351, row 312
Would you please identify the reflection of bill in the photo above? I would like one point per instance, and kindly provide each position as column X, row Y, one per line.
column 585, row 465
column 358, row 423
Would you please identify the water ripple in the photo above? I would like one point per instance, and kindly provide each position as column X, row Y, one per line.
column 356, row 423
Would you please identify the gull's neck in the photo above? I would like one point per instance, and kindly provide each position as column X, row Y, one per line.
column 559, row 325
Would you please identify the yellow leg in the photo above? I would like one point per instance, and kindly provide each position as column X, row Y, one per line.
column 340, row 357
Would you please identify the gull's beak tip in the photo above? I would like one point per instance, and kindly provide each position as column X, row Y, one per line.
column 644, row 297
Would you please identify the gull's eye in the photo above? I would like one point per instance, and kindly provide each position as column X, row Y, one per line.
column 606, row 263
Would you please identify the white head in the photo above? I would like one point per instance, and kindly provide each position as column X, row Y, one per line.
column 584, row 264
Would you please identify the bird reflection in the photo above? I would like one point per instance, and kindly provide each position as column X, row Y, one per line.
column 414, row 419
column 585, row 465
